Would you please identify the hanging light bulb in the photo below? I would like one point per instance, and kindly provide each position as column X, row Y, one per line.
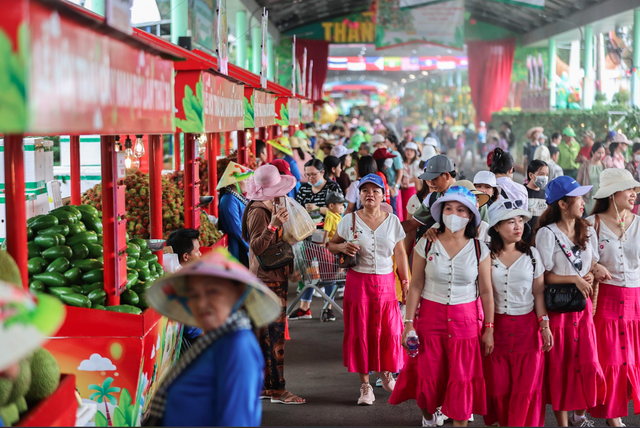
column 201, row 145
column 131, row 161
column 138, row 149
column 118, row 145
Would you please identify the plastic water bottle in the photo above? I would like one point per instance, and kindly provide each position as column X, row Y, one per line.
column 315, row 269
column 412, row 343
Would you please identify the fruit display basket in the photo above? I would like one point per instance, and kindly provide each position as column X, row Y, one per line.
column 59, row 410
column 118, row 359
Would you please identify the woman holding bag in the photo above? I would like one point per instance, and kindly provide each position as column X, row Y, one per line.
column 568, row 250
column 372, row 319
column 262, row 228
column 617, row 318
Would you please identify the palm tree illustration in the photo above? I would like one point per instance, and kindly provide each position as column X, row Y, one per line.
column 104, row 395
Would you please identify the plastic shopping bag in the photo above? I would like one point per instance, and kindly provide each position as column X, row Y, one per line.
column 300, row 224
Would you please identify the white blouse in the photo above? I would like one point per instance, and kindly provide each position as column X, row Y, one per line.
column 553, row 258
column 353, row 194
column 376, row 247
column 483, row 232
column 450, row 281
column 622, row 258
column 513, row 286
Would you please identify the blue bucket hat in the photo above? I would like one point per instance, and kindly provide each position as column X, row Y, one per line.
column 563, row 186
column 373, row 179
column 457, row 194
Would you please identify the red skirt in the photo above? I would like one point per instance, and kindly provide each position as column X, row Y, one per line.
column 514, row 373
column 372, row 324
column 575, row 380
column 617, row 324
column 448, row 368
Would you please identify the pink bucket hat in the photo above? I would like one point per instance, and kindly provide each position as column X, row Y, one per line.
column 168, row 295
column 267, row 183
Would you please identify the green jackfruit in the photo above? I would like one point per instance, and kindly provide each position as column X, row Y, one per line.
column 9, row 271
column 9, row 414
column 6, row 386
column 45, row 376
column 21, row 404
column 21, row 383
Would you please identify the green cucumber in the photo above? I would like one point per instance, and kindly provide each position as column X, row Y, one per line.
column 74, row 229
column 64, row 217
column 145, row 252
column 141, row 287
column 100, row 239
column 96, row 275
column 142, row 304
column 30, row 233
column 76, row 299
column 56, row 252
column 62, row 229
column 87, row 264
column 33, row 249
column 141, row 264
column 92, row 222
column 47, row 240
column 152, row 267
column 61, row 239
column 132, row 278
column 100, row 307
column 88, row 288
column 35, row 266
column 131, row 263
column 141, row 243
column 125, row 309
column 37, row 286
column 52, row 279
column 97, row 295
column 59, row 291
column 129, row 298
column 89, row 208
column 133, row 251
column 73, row 275
column 88, row 237
column 80, row 252
column 72, row 209
column 144, row 274
column 61, row 264
column 42, row 222
column 159, row 267
column 152, row 258
column 95, row 250
column 76, row 289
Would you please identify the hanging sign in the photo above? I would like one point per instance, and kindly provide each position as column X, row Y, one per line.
column 536, row 4
column 222, row 37
column 303, row 78
column 306, row 111
column 294, row 63
column 117, row 14
column 264, row 60
column 310, row 90
column 202, row 19
column 397, row 27
column 259, row 108
column 294, row 111
column 353, row 28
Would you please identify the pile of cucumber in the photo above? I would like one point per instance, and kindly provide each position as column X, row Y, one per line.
column 65, row 260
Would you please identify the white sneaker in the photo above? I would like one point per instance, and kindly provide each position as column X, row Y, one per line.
column 432, row 423
column 582, row 422
column 388, row 382
column 440, row 417
column 366, row 395
column 471, row 418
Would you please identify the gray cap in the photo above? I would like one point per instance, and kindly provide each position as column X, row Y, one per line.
column 437, row 165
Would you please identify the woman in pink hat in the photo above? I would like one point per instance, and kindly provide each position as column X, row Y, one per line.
column 262, row 227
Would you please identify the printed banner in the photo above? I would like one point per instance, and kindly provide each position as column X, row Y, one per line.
column 264, row 59
column 353, row 28
column 306, row 111
column 259, row 108
column 439, row 24
column 355, row 63
column 84, row 83
column 294, row 111
column 117, row 14
column 201, row 17
column 222, row 37
column 537, row 4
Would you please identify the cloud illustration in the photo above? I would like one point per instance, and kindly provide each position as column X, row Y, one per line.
column 96, row 363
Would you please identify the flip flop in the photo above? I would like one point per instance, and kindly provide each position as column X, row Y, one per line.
column 286, row 396
column 266, row 394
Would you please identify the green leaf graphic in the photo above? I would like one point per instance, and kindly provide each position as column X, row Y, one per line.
column 249, row 115
column 193, row 110
column 284, row 116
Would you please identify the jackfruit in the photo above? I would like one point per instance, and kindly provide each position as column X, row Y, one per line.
column 9, row 271
column 45, row 376
column 21, row 404
column 9, row 414
column 6, row 386
column 21, row 383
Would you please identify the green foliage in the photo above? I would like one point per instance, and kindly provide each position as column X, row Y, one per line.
column 13, row 81
column 621, row 98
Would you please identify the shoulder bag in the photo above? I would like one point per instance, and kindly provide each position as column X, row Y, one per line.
column 563, row 298
column 347, row 261
column 276, row 256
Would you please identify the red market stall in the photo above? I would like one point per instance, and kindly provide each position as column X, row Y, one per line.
column 71, row 73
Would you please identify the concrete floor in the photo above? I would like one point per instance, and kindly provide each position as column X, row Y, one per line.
column 314, row 371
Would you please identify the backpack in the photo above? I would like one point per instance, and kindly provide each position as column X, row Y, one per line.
column 425, row 227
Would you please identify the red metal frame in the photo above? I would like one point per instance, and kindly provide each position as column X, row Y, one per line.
column 189, row 181
column 243, row 158
column 108, row 164
column 176, row 150
column 15, row 203
column 155, row 189
column 76, row 191
column 213, row 149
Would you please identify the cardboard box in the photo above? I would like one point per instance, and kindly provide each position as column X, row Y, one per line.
column 30, row 202
column 89, row 150
column 35, row 163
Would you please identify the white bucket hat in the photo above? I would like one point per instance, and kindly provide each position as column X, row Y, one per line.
column 485, row 177
column 614, row 180
column 505, row 209
column 458, row 194
column 376, row 139
column 430, row 141
column 413, row 146
column 339, row 151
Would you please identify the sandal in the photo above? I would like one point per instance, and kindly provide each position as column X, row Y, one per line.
column 266, row 394
column 287, row 398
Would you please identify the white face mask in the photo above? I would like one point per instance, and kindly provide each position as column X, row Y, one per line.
column 388, row 163
column 637, row 158
column 455, row 223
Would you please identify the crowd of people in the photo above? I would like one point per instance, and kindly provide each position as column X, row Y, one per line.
column 520, row 295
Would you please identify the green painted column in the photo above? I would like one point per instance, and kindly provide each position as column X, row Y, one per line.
column 241, row 39
column 552, row 73
column 635, row 78
column 271, row 59
column 179, row 20
column 588, row 84
column 256, row 51
column 96, row 6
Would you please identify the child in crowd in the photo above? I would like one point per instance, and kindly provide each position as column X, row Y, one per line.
column 335, row 211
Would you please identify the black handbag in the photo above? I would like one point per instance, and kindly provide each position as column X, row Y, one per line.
column 564, row 298
column 347, row 261
column 276, row 256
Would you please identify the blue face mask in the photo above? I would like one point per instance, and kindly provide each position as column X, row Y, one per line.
column 319, row 183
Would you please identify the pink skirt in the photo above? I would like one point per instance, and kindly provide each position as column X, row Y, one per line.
column 406, row 195
column 372, row 324
column 574, row 376
column 514, row 373
column 617, row 324
column 448, row 368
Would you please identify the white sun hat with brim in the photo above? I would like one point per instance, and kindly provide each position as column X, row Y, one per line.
column 485, row 177
column 505, row 209
column 430, row 141
column 614, row 180
column 168, row 295
column 376, row 139
column 457, row 194
column 339, row 151
column 25, row 322
column 413, row 146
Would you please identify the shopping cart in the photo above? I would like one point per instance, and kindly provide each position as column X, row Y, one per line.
column 318, row 275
